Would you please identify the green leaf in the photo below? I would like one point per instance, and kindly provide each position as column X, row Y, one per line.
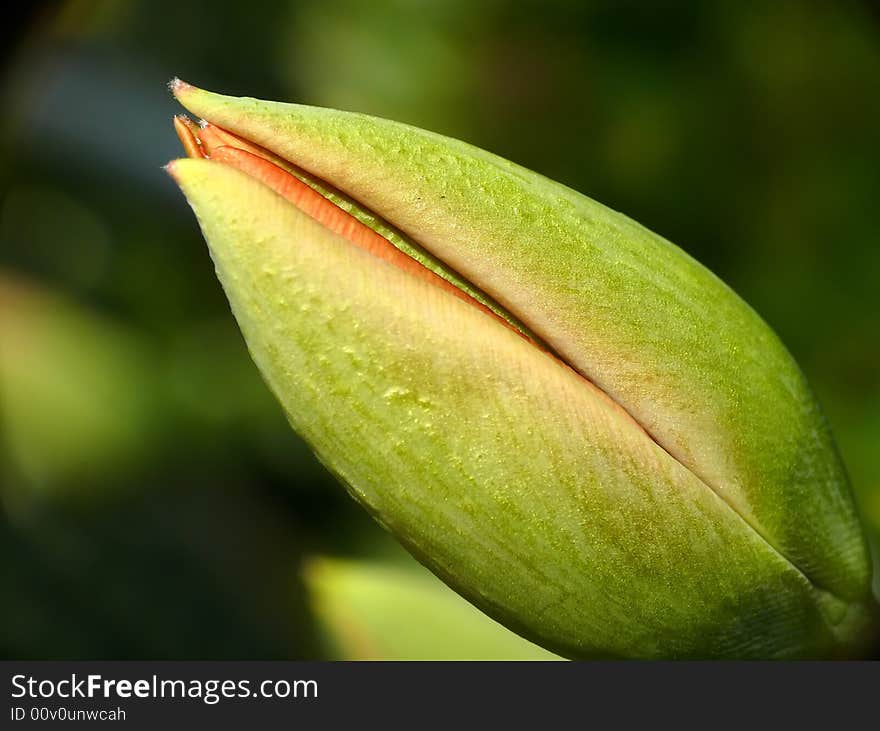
column 372, row 611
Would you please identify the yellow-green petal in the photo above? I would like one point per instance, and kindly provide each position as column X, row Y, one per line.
column 525, row 488
column 666, row 339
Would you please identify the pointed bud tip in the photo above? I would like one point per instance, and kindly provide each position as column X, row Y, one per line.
column 171, row 169
column 178, row 86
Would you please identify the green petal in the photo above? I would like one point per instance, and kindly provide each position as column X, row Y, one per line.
column 667, row 340
column 521, row 485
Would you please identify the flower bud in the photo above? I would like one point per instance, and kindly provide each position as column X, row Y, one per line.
column 569, row 420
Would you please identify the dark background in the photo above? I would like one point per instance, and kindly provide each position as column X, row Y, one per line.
column 154, row 502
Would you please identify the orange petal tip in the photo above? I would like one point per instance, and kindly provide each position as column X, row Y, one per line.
column 187, row 132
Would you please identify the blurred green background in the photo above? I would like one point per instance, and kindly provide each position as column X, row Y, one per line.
column 154, row 502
